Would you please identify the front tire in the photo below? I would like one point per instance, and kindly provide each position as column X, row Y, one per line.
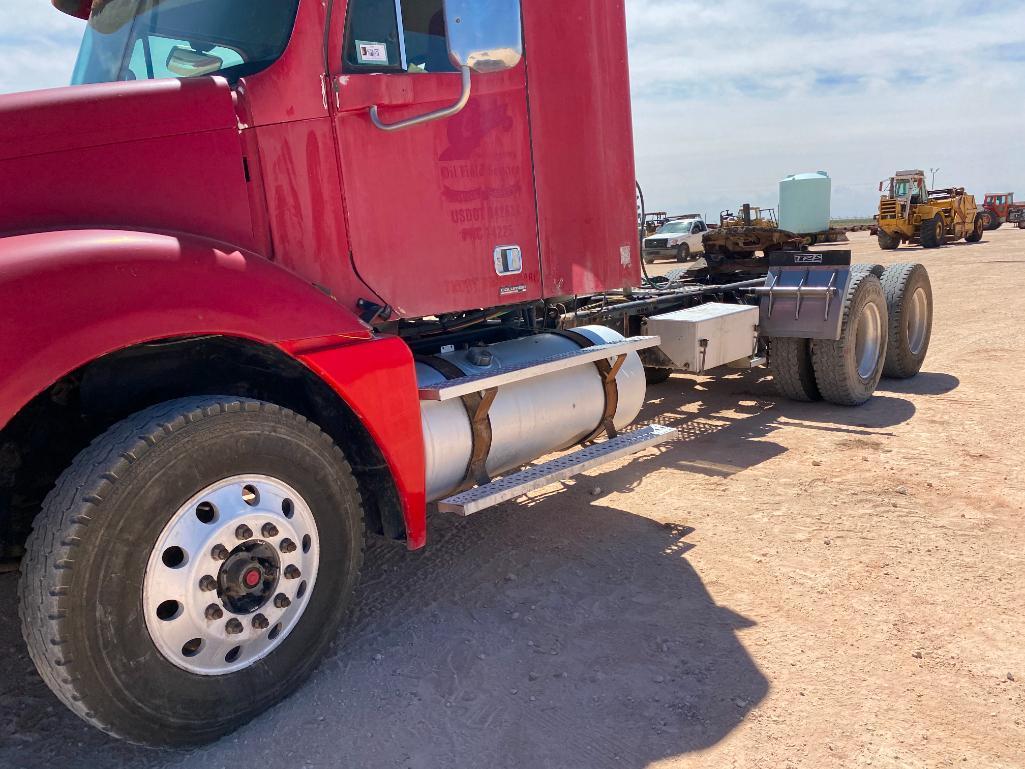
column 932, row 232
column 888, row 242
column 683, row 255
column 848, row 370
column 242, row 492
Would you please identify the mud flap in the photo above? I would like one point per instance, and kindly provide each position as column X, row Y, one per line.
column 803, row 294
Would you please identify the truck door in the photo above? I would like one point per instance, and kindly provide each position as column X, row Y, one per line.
column 442, row 214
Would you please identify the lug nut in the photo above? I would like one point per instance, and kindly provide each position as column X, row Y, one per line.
column 207, row 583
column 287, row 546
column 260, row 622
column 213, row 611
column 292, row 572
column 219, row 553
column 233, row 627
column 243, row 532
column 281, row 601
column 269, row 530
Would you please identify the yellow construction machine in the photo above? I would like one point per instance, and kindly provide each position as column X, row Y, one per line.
column 910, row 213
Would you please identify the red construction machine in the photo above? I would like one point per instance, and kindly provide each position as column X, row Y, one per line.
column 999, row 208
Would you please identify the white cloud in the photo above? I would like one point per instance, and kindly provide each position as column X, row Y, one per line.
column 38, row 45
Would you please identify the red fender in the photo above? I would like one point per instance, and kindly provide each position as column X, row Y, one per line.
column 70, row 297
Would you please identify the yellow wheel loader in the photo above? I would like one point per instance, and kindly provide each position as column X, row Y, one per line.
column 910, row 213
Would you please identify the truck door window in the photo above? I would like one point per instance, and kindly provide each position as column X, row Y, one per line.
column 373, row 42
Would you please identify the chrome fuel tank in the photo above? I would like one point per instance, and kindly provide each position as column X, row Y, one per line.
column 530, row 418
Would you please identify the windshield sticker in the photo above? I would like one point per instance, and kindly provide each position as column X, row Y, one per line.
column 371, row 53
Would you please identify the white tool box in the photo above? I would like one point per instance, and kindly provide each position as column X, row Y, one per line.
column 702, row 338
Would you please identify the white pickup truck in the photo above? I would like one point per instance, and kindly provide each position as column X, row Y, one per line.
column 679, row 238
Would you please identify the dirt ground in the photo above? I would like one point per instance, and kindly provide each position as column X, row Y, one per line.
column 787, row 585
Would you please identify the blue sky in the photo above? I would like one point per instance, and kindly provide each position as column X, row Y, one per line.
column 731, row 96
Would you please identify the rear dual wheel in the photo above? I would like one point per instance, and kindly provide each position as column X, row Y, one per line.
column 909, row 304
column 846, row 371
column 191, row 567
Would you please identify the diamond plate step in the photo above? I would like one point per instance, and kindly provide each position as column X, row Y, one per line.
column 457, row 388
column 534, row 478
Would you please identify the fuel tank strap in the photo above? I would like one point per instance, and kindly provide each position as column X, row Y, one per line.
column 478, row 410
column 608, row 372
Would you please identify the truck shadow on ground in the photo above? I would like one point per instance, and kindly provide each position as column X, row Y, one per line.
column 560, row 634
column 724, row 423
column 552, row 632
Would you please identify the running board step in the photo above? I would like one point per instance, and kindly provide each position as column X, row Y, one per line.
column 539, row 476
column 467, row 385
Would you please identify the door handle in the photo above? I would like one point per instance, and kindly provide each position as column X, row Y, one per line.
column 440, row 114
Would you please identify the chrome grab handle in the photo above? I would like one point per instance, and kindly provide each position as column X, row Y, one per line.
column 440, row 114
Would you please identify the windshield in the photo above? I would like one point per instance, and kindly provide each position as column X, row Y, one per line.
column 905, row 188
column 151, row 39
column 674, row 228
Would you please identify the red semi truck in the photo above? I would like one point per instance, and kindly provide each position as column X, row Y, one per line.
column 277, row 274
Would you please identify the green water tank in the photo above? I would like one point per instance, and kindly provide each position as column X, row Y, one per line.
column 804, row 202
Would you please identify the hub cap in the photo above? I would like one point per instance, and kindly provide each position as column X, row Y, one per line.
column 867, row 340
column 918, row 321
column 231, row 574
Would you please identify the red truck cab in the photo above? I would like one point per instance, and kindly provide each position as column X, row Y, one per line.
column 233, row 259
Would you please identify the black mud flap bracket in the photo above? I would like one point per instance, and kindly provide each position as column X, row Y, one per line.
column 803, row 295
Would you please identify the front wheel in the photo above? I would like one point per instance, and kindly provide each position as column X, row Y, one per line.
column 932, row 232
column 191, row 567
column 888, row 242
column 683, row 254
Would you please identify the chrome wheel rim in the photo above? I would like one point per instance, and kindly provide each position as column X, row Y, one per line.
column 917, row 321
column 867, row 340
column 231, row 575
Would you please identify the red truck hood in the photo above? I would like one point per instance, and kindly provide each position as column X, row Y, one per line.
column 61, row 119
column 155, row 154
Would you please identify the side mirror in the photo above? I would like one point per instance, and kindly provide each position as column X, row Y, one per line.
column 484, row 35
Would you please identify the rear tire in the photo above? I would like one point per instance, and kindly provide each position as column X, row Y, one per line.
column 932, row 232
column 978, row 227
column 848, row 370
column 909, row 305
column 98, row 559
column 792, row 371
column 888, row 242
